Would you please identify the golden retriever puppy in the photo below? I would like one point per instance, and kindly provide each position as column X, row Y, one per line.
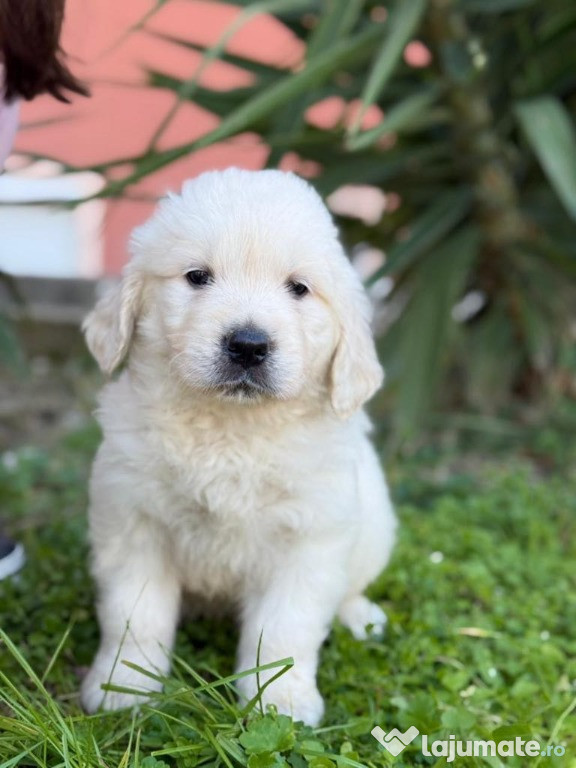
column 235, row 464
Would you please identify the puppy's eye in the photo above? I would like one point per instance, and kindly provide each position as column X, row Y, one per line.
column 298, row 289
column 198, row 277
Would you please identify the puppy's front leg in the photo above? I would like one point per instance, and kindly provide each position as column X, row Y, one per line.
column 139, row 596
column 290, row 615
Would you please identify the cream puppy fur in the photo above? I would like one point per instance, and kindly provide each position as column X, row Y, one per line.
column 235, row 465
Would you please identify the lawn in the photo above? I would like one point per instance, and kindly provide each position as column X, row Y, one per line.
column 481, row 642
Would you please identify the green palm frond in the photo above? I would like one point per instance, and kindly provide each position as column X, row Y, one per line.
column 481, row 139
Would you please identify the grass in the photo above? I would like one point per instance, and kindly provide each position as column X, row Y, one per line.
column 481, row 643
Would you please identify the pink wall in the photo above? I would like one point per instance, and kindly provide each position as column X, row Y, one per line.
column 110, row 47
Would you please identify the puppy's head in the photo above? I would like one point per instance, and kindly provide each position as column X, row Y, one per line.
column 241, row 285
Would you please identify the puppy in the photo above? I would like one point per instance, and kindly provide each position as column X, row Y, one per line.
column 235, row 464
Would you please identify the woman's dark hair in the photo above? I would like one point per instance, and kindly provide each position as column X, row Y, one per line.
column 30, row 50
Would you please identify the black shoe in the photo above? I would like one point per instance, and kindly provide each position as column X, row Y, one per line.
column 11, row 557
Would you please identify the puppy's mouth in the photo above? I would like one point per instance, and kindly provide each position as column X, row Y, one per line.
column 246, row 385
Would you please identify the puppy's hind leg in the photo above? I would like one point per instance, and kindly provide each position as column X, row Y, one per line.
column 371, row 551
column 362, row 617
column 138, row 607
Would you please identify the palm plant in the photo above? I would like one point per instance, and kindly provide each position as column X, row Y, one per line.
column 479, row 146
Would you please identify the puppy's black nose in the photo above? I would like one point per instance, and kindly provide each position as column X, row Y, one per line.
column 248, row 347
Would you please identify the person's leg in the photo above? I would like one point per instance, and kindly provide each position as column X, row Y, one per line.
column 11, row 556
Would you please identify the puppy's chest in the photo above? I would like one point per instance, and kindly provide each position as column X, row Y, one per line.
column 225, row 475
column 234, row 503
column 229, row 512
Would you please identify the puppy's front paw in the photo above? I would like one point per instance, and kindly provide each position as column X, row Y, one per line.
column 94, row 698
column 362, row 617
column 291, row 694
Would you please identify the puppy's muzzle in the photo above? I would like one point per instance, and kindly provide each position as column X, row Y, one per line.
column 247, row 347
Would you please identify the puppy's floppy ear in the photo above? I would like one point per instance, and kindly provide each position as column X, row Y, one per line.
column 356, row 372
column 110, row 326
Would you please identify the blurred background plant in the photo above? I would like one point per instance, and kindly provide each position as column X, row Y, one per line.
column 461, row 113
column 477, row 152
